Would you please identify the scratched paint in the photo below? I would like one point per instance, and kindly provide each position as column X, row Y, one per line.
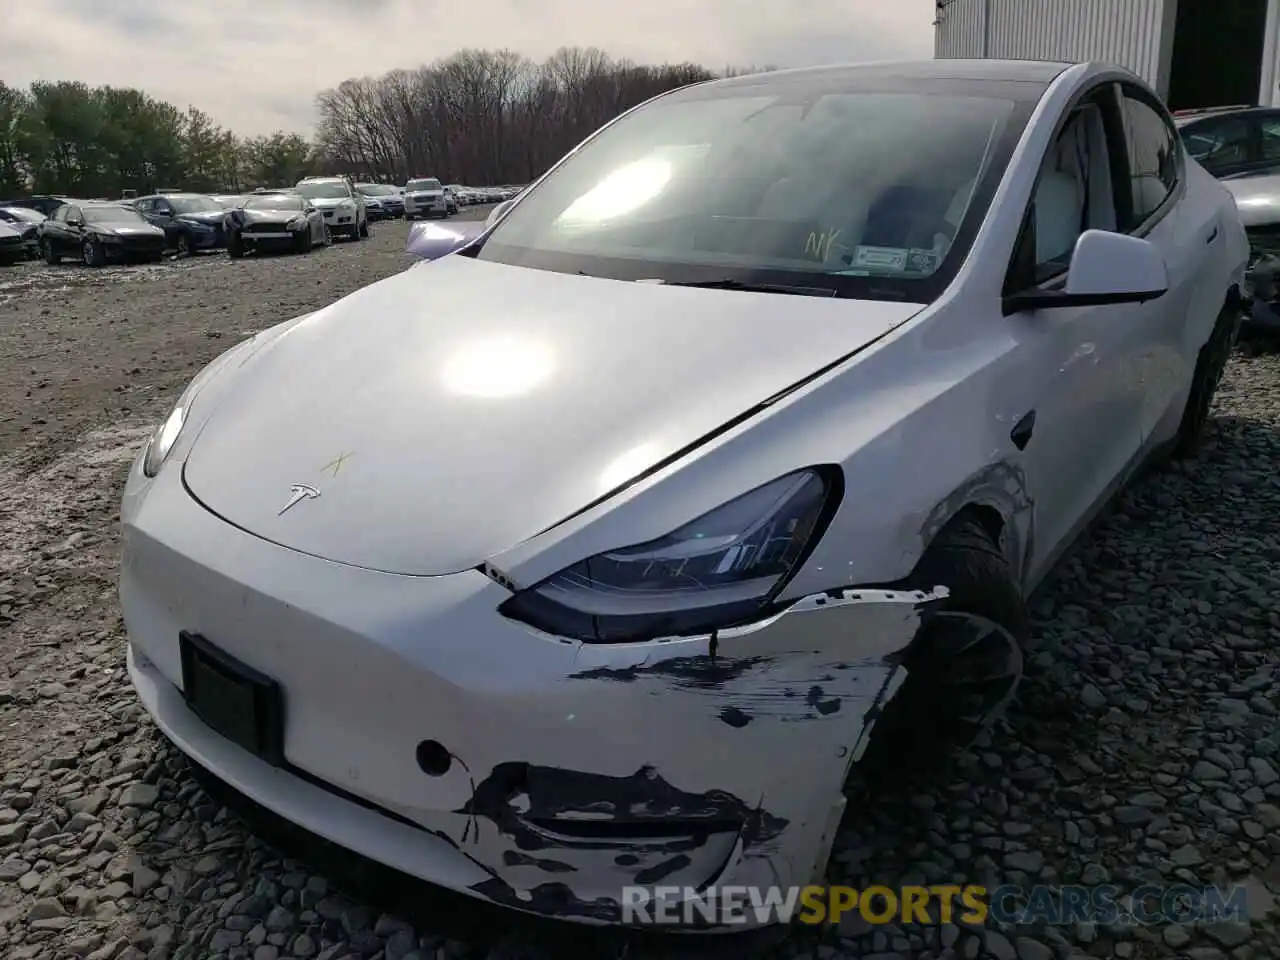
column 804, row 688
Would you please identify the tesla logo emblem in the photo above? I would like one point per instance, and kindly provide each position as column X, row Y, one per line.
column 298, row 493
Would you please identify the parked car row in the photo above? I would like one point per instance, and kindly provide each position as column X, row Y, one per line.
column 468, row 196
column 143, row 229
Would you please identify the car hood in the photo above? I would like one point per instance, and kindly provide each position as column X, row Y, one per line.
column 126, row 230
column 451, row 412
column 270, row 216
column 9, row 230
column 328, row 203
column 204, row 216
column 1257, row 198
column 425, row 193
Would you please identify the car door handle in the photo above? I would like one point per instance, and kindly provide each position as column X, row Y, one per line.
column 1022, row 430
column 1212, row 237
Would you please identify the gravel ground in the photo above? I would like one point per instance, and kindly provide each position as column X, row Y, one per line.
column 1145, row 748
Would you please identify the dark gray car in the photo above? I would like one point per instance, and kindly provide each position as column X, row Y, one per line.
column 276, row 221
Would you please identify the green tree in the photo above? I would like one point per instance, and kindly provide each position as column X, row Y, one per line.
column 14, row 108
column 282, row 158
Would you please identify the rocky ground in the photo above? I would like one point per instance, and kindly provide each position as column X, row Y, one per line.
column 1145, row 748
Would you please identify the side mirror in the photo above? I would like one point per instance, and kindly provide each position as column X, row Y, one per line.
column 497, row 212
column 431, row 241
column 1106, row 268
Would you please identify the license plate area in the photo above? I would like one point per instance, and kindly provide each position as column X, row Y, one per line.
column 232, row 698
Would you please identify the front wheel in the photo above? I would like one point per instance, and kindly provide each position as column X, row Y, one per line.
column 326, row 238
column 1211, row 362
column 182, row 246
column 51, row 257
column 235, row 249
column 364, row 229
column 964, row 668
column 92, row 254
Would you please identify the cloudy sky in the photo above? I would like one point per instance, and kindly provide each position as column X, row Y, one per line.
column 255, row 65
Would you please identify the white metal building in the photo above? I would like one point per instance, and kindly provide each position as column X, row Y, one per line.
column 1196, row 53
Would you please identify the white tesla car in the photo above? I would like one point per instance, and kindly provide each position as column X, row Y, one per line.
column 596, row 552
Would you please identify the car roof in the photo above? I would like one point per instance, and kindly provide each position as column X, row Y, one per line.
column 1183, row 117
column 1013, row 71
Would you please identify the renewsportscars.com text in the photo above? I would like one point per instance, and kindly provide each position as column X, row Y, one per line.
column 939, row 903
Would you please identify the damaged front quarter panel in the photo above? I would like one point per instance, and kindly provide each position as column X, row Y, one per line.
column 737, row 746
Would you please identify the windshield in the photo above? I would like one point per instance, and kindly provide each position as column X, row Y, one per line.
column 111, row 215
column 422, row 185
column 829, row 188
column 277, row 201
column 324, row 191
column 194, row 204
column 21, row 213
column 375, row 189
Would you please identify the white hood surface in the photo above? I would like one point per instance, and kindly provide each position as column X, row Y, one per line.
column 453, row 411
column 1257, row 198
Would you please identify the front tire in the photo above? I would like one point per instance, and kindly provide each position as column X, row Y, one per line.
column 1210, row 364
column 965, row 667
column 182, row 246
column 47, row 251
column 92, row 254
column 235, row 249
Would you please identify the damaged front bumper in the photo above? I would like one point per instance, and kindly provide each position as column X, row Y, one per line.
column 425, row 731
column 1262, row 286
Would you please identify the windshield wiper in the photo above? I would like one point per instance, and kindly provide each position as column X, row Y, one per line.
column 727, row 283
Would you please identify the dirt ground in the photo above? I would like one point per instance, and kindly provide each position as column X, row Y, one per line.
column 1145, row 747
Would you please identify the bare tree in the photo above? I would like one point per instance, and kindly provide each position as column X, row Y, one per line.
column 482, row 116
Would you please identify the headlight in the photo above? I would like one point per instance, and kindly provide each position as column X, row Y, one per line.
column 166, row 435
column 720, row 570
column 297, row 223
column 163, row 439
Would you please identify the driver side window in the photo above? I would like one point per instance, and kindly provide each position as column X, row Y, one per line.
column 1073, row 193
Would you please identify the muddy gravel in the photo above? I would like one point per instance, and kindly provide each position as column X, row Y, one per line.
column 1145, row 747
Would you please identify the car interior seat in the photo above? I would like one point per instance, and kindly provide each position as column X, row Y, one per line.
column 902, row 216
column 1073, row 193
column 1059, row 199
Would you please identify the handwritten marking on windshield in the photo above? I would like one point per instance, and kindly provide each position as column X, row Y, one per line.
column 819, row 244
